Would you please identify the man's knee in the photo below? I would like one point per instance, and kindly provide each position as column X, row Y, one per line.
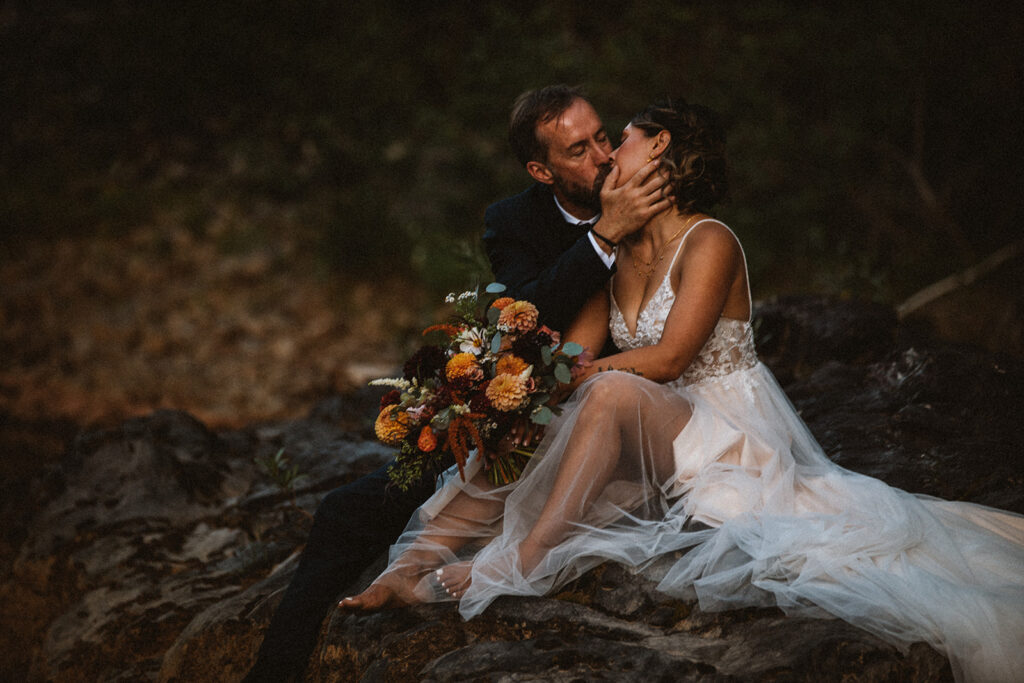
column 346, row 501
column 370, row 499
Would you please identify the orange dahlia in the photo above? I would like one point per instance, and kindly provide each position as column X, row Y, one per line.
column 463, row 365
column 427, row 441
column 506, row 392
column 501, row 303
column 519, row 316
column 510, row 365
column 392, row 425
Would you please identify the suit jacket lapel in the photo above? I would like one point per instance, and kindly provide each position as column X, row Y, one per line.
column 551, row 226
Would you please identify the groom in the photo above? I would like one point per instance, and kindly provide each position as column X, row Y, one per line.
column 552, row 245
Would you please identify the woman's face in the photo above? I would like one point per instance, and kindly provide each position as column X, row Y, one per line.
column 632, row 153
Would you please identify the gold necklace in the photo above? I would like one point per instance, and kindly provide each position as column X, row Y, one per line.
column 650, row 266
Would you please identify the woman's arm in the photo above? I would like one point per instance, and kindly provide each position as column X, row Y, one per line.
column 708, row 267
column 590, row 328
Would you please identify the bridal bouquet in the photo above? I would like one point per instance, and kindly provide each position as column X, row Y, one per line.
column 475, row 376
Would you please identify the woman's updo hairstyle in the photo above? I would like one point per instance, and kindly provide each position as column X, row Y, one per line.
column 695, row 158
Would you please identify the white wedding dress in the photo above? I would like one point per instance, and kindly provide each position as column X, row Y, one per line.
column 718, row 464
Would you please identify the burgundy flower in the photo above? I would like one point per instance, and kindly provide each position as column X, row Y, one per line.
column 527, row 347
column 546, row 336
column 391, row 398
column 460, row 386
column 479, row 403
column 426, row 363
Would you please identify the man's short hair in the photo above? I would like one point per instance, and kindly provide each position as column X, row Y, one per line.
column 533, row 108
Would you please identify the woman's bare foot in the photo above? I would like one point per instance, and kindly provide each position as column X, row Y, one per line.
column 374, row 598
column 455, row 578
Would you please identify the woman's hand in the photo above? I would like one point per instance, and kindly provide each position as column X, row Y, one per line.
column 523, row 434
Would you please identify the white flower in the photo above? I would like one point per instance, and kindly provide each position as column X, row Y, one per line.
column 396, row 382
column 450, row 299
column 471, row 341
column 418, row 412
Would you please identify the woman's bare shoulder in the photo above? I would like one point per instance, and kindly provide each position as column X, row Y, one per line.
column 711, row 238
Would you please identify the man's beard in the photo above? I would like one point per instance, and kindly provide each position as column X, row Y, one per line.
column 585, row 197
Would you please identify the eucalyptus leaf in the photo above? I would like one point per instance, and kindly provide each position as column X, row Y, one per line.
column 496, row 342
column 545, row 355
column 562, row 374
column 495, row 288
column 492, row 315
column 542, row 416
column 441, row 420
column 572, row 349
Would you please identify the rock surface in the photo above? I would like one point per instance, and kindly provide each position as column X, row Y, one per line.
column 158, row 550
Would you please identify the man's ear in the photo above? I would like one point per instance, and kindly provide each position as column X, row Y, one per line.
column 539, row 172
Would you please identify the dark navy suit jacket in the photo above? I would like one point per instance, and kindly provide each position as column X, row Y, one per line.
column 540, row 257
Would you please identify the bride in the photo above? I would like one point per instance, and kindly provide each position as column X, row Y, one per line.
column 685, row 441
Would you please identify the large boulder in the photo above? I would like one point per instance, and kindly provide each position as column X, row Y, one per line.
column 146, row 526
column 609, row 625
column 159, row 550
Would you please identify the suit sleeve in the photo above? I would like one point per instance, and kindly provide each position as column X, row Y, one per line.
column 557, row 282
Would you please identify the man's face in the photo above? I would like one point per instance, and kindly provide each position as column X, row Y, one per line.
column 578, row 161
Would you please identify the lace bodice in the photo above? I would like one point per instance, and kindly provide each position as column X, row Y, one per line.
column 729, row 348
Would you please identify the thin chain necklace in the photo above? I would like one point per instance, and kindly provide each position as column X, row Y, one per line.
column 650, row 266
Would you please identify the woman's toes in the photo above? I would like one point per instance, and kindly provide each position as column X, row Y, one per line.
column 373, row 598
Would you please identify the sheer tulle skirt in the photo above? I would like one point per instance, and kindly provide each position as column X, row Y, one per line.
column 633, row 470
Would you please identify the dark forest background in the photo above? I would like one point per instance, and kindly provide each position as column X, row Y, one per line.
column 876, row 147
column 347, row 149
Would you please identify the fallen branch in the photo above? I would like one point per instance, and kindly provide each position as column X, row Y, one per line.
column 948, row 284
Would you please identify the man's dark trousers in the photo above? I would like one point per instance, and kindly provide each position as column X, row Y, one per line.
column 354, row 524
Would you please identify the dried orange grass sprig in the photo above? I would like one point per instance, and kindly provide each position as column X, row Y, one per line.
column 450, row 330
column 462, row 434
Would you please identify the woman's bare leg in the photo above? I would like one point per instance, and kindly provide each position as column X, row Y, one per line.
column 617, row 405
column 466, row 518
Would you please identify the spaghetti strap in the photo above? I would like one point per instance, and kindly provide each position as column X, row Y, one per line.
column 679, row 248
column 671, row 265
